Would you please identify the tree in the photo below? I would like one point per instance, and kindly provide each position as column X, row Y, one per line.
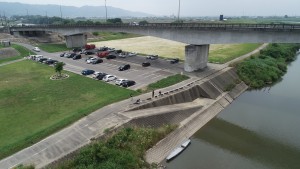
column 59, row 67
column 115, row 20
column 144, row 22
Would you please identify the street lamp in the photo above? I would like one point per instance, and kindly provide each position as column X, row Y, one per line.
column 178, row 11
column 105, row 12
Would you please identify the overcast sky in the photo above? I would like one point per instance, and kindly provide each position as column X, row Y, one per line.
column 190, row 7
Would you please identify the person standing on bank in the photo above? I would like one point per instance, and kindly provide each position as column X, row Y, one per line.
column 152, row 93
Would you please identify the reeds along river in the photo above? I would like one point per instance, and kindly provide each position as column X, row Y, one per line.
column 260, row 129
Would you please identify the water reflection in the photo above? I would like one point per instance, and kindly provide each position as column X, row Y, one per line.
column 258, row 130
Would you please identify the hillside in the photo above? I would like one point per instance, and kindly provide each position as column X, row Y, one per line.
column 67, row 11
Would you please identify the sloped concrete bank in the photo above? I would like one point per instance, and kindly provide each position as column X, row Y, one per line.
column 190, row 107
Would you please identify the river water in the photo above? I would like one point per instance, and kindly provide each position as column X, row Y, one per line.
column 259, row 130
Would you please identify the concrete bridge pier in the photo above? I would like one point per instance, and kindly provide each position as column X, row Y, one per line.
column 76, row 40
column 196, row 57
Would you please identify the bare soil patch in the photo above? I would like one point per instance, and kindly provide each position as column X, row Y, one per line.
column 8, row 52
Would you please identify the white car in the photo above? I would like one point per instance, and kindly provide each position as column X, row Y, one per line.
column 108, row 78
column 91, row 60
column 37, row 49
column 132, row 54
column 120, row 81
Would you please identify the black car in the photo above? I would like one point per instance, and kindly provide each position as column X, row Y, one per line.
column 110, row 57
column 87, row 72
column 62, row 55
column 71, row 55
column 89, row 53
column 119, row 51
column 100, row 76
column 50, row 61
column 76, row 50
column 128, row 83
column 124, row 67
column 97, row 61
column 146, row 64
column 77, row 57
column 173, row 61
column 42, row 60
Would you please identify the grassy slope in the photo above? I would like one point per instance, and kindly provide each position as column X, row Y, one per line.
column 23, row 52
column 51, row 48
column 32, row 106
column 225, row 53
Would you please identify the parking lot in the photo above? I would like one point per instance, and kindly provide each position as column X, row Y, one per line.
column 159, row 69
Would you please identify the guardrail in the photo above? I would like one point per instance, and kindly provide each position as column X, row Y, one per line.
column 204, row 26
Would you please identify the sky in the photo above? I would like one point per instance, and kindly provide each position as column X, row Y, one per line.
column 189, row 7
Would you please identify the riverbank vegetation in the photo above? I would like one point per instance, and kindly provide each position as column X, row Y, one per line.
column 124, row 150
column 53, row 47
column 268, row 66
column 33, row 106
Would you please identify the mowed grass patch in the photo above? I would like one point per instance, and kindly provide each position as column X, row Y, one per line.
column 148, row 45
column 225, row 53
column 51, row 48
column 33, row 106
column 168, row 81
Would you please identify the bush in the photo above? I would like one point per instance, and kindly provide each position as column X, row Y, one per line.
column 268, row 66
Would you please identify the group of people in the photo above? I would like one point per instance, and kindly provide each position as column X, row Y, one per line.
column 138, row 101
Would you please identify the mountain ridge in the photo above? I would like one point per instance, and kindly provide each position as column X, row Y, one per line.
column 15, row 8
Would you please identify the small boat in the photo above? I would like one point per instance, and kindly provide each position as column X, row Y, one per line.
column 178, row 150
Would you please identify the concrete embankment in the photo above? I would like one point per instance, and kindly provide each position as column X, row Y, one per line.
column 190, row 107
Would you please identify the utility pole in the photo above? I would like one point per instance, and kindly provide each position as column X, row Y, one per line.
column 105, row 12
column 60, row 13
column 47, row 18
column 178, row 11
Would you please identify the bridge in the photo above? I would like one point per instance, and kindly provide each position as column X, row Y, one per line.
column 198, row 35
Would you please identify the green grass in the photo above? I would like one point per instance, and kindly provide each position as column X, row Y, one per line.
column 23, row 52
column 124, row 150
column 106, row 36
column 33, row 106
column 231, row 52
column 51, row 48
column 169, row 81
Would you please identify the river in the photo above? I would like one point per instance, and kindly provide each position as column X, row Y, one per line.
column 260, row 129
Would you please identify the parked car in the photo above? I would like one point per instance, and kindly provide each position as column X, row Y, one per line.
column 76, row 50
column 104, row 48
column 62, row 55
column 50, row 61
column 78, row 56
column 71, row 55
column 66, row 55
column 97, row 61
column 103, row 54
column 111, row 57
column 87, row 72
column 124, row 67
column 118, row 51
column 89, row 53
column 146, row 64
column 152, row 57
column 42, row 60
column 173, row 61
column 37, row 49
column 108, row 78
column 122, row 55
column 132, row 54
column 120, row 81
column 128, row 83
column 100, row 76
column 91, row 60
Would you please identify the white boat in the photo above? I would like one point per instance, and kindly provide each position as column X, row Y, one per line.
column 178, row 150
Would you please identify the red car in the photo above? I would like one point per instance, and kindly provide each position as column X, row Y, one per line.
column 103, row 54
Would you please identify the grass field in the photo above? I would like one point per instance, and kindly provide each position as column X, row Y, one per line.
column 172, row 49
column 33, row 106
